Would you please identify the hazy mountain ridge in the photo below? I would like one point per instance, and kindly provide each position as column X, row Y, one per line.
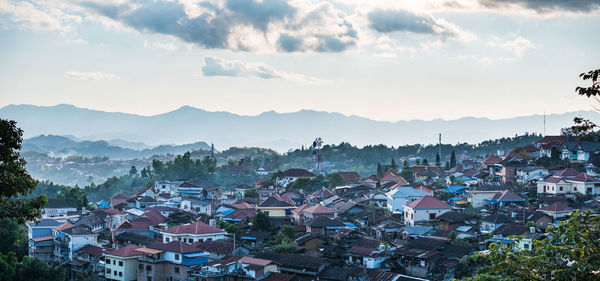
column 280, row 131
column 63, row 146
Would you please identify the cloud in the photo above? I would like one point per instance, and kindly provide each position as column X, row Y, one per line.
column 388, row 21
column 547, row 6
column 30, row 16
column 518, row 46
column 167, row 46
column 214, row 66
column 89, row 75
column 239, row 25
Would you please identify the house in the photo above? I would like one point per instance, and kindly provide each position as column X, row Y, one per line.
column 492, row 222
column 421, row 176
column 477, row 196
column 504, row 233
column 569, row 181
column 41, row 239
column 504, row 198
column 426, row 208
column 322, row 225
column 122, row 264
column 310, row 241
column 166, row 187
column 397, row 198
column 451, row 220
column 278, row 208
column 317, row 210
column 393, row 178
column 509, row 166
column 291, row 175
column 237, row 268
column 69, row 238
column 58, row 208
column 168, row 261
column 556, row 210
column 302, row 265
column 194, row 232
column 578, row 151
column 240, row 215
column 87, row 262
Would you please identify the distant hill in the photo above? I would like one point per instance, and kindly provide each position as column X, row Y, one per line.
column 279, row 131
column 63, row 146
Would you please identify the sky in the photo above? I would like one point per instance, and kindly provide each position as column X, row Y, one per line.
column 384, row 60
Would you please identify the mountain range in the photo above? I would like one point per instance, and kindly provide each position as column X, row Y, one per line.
column 64, row 146
column 279, row 131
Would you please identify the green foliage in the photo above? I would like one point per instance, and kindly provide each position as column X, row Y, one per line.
column 379, row 169
column 29, row 269
column 12, row 238
column 15, row 182
column 452, row 159
column 407, row 174
column 452, row 236
column 253, row 193
column 437, row 160
column 283, row 241
column 261, row 221
column 425, row 162
column 133, row 171
column 179, row 218
column 231, row 228
column 570, row 253
column 74, row 195
column 335, row 179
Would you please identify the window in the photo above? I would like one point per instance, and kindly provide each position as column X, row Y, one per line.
column 526, row 246
column 176, row 269
column 148, row 278
column 120, row 263
column 167, row 239
column 176, row 257
column 107, row 260
column 120, row 273
column 575, row 188
column 148, row 268
column 108, row 271
column 561, row 188
column 141, row 267
column 431, row 217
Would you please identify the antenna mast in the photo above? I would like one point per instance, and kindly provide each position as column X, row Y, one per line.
column 440, row 149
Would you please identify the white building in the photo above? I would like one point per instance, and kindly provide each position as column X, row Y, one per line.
column 122, row 264
column 190, row 233
column 426, row 208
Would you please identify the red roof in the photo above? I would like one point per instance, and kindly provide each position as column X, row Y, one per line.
column 583, row 177
column 568, row 172
column 255, row 261
column 318, row 209
column 127, row 251
column 350, row 176
column 64, row 226
column 418, row 169
column 112, row 211
column 242, row 214
column 242, row 205
column 553, row 179
column 133, row 225
column 153, row 217
column 194, row 228
column 42, row 238
column 300, row 208
column 492, row 159
column 91, row 250
column 428, row 202
column 507, row 196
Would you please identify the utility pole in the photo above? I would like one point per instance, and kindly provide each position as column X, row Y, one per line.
column 440, row 149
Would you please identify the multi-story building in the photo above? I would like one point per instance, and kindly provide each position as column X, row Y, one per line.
column 194, row 232
column 426, row 208
column 122, row 264
column 40, row 236
column 67, row 240
column 168, row 261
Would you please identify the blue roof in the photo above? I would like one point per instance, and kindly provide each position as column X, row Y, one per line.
column 351, row 225
column 501, row 240
column 455, row 189
column 190, row 191
column 103, row 205
column 227, row 212
column 248, row 237
column 406, row 191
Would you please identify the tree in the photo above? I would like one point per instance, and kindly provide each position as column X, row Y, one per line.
column 133, row 171
column 418, row 162
column 554, row 153
column 335, row 179
column 231, row 228
column 569, row 253
column 379, row 169
column 405, row 165
column 252, row 193
column 15, row 182
column 584, row 126
column 74, row 195
column 437, row 160
column 407, row 174
column 425, row 162
column 261, row 221
column 452, row 159
column 12, row 238
column 393, row 165
column 447, row 166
